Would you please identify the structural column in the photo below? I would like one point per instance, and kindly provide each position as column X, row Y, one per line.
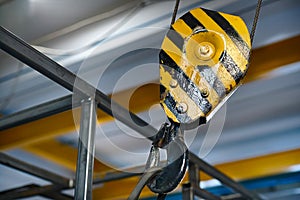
column 86, row 151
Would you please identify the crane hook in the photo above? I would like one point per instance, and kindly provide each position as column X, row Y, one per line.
column 169, row 137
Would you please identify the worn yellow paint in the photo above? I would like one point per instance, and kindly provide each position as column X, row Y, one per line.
column 239, row 170
column 239, row 26
column 208, row 47
column 179, row 96
column 225, row 77
column 233, row 51
column 183, row 29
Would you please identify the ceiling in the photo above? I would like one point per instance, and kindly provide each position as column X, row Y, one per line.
column 100, row 42
column 113, row 45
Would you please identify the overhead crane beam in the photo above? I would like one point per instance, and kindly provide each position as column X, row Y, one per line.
column 273, row 56
column 51, row 150
column 30, row 133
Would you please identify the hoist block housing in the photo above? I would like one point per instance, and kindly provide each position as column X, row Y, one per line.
column 203, row 59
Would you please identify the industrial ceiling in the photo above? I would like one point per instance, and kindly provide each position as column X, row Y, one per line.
column 114, row 46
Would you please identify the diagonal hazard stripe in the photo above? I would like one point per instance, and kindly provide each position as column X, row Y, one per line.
column 171, row 105
column 185, row 83
column 191, row 21
column 231, row 67
column 231, row 47
column 230, row 31
column 208, row 74
column 182, row 28
column 172, row 96
column 176, row 38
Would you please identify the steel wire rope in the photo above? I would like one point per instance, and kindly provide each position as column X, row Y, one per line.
column 255, row 20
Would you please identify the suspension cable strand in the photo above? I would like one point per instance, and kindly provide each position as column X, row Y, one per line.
column 175, row 11
column 257, row 12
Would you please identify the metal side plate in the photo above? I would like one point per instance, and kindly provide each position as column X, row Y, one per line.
column 203, row 58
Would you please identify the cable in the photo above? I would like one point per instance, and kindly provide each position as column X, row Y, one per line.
column 175, row 11
column 255, row 20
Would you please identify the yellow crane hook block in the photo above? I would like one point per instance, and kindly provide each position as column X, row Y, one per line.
column 203, row 58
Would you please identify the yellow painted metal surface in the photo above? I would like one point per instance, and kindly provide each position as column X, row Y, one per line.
column 204, row 57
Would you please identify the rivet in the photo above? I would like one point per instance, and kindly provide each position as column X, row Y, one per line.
column 204, row 92
column 173, row 83
column 181, row 107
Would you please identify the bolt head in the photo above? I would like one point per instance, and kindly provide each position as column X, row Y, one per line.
column 204, row 92
column 182, row 107
column 173, row 83
column 205, row 51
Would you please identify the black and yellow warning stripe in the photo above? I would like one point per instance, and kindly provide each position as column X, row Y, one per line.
column 217, row 77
